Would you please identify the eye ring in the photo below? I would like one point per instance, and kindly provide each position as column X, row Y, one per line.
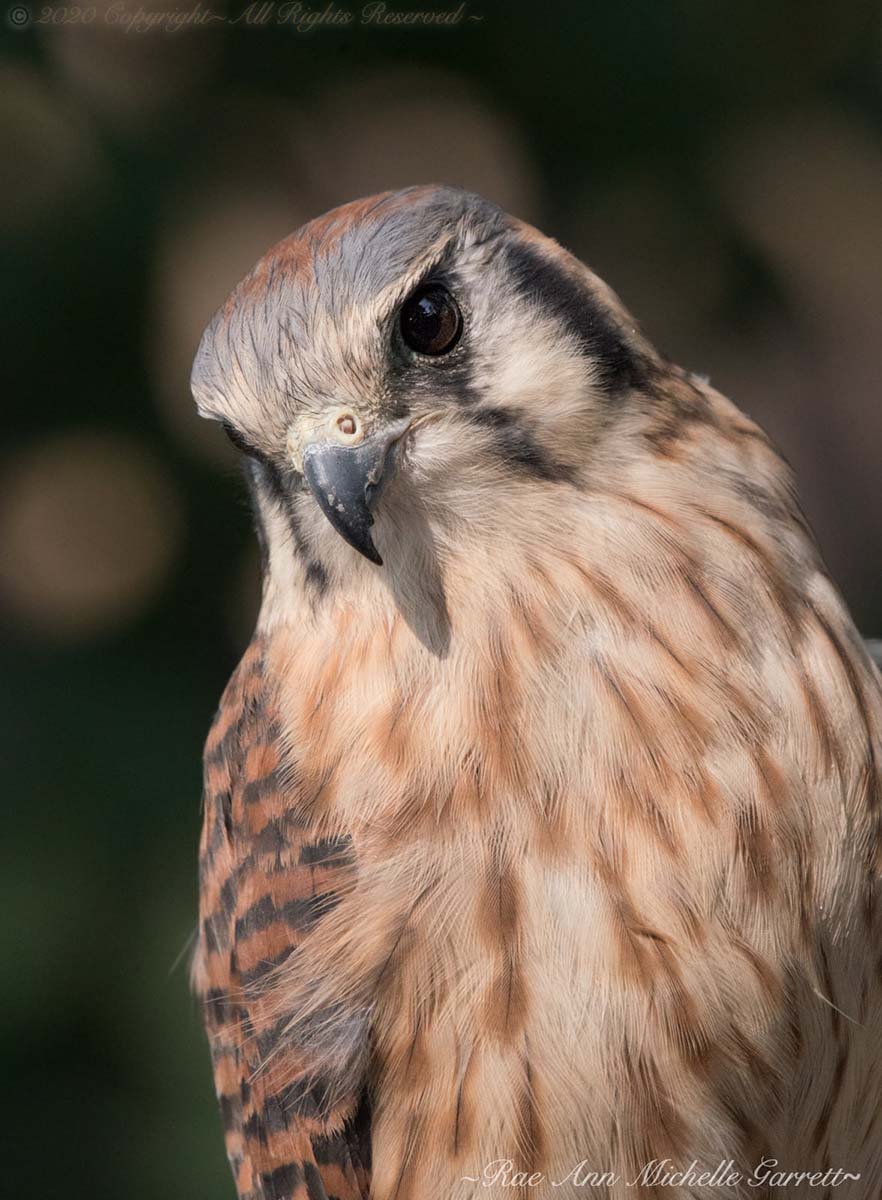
column 430, row 321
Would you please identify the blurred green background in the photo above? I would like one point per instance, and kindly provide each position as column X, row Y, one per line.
column 720, row 164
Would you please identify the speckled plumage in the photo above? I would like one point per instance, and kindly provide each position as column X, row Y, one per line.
column 555, row 838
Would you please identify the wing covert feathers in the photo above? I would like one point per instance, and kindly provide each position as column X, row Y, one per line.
column 294, row 1130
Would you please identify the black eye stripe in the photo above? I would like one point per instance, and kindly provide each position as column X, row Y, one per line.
column 242, row 444
column 238, row 440
column 269, row 470
column 558, row 292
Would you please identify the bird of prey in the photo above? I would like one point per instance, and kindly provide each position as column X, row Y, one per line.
column 541, row 850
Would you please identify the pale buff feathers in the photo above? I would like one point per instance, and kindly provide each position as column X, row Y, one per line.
column 596, row 838
column 607, row 750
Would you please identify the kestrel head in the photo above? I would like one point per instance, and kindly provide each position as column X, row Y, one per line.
column 406, row 366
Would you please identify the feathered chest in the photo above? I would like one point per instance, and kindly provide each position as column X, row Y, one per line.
column 571, row 832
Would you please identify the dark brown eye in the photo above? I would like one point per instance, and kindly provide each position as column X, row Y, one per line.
column 431, row 321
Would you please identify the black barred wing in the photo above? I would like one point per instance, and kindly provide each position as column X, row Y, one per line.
column 265, row 882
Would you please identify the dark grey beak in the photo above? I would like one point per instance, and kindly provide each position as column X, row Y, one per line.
column 346, row 480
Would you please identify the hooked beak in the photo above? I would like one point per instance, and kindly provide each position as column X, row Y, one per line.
column 346, row 481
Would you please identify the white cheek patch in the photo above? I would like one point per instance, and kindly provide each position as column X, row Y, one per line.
column 536, row 366
column 531, row 367
column 523, row 359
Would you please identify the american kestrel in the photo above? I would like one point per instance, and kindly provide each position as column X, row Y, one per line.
column 542, row 814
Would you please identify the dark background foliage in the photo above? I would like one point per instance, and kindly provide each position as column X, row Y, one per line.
column 720, row 164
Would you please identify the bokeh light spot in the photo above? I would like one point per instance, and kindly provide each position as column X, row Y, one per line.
column 401, row 127
column 89, row 526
